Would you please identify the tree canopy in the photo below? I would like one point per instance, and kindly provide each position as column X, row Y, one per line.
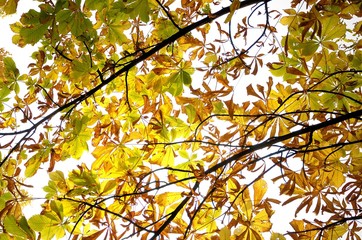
column 183, row 119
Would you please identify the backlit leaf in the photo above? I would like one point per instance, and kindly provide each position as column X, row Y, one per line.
column 260, row 188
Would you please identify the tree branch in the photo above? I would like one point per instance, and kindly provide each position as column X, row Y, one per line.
column 274, row 140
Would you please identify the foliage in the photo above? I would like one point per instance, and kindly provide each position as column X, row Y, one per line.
column 148, row 102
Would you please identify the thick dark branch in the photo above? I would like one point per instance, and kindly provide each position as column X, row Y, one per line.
column 328, row 226
column 130, row 65
column 134, row 62
column 254, row 148
column 174, row 37
column 175, row 212
column 271, row 141
column 96, row 205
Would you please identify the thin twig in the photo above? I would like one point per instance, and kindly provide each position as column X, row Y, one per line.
column 62, row 54
column 51, row 99
column 168, row 15
column 127, row 99
column 90, row 53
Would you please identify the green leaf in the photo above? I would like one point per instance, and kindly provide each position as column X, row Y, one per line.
column 12, row 227
column 11, row 71
column 233, row 7
column 191, row 113
column 168, row 29
column 63, row 18
column 309, row 48
column 40, row 222
column 49, row 226
column 32, row 35
column 78, row 144
column 9, row 7
column 80, row 24
column 33, row 164
column 4, row 92
column 332, row 28
column 175, row 84
column 277, row 236
column 116, row 33
column 23, row 223
column 4, row 236
column 80, row 68
column 30, row 18
column 4, row 198
column 185, row 77
column 57, row 176
column 137, row 8
column 57, row 208
column 95, row 4
column 277, row 69
column 51, row 190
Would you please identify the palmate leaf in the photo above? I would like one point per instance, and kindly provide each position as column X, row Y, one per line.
column 41, row 156
column 48, row 225
column 32, row 35
column 332, row 28
column 116, row 33
column 20, row 230
column 74, row 22
column 11, row 71
column 177, row 81
column 138, row 8
column 78, row 144
column 31, row 28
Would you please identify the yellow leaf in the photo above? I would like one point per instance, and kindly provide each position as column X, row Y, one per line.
column 167, row 198
column 108, row 186
column 260, row 187
column 337, row 232
column 233, row 7
column 168, row 201
column 332, row 28
column 330, row 45
column 225, row 233
column 261, row 221
column 169, row 157
column 277, row 236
